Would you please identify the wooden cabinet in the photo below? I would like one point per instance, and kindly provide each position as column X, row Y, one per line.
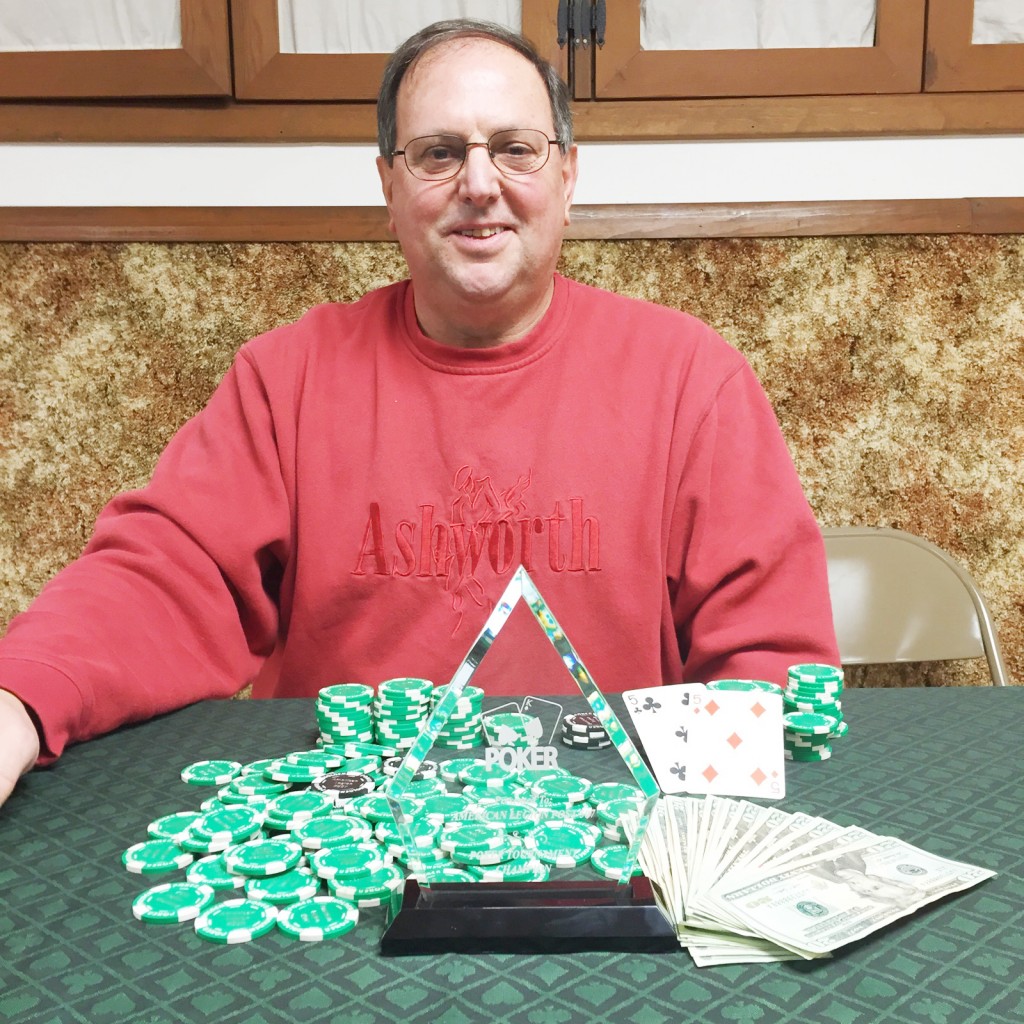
column 954, row 63
column 264, row 72
column 623, row 69
column 200, row 66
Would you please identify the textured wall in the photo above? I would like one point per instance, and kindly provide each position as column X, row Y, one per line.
column 896, row 366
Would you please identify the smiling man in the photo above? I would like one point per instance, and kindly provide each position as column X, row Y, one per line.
column 362, row 484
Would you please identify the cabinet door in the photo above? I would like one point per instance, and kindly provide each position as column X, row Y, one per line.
column 975, row 45
column 176, row 48
column 266, row 70
column 626, row 68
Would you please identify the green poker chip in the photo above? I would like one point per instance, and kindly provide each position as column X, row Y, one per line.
column 290, row 887
column 744, row 685
column 472, row 835
column 155, row 856
column 569, row 788
column 431, row 873
column 211, row 871
column 233, row 824
column 349, row 861
column 378, row 884
column 262, row 857
column 173, row 827
column 319, row 918
column 510, row 849
column 605, row 791
column 808, row 723
column 210, row 773
column 564, row 844
column 334, row 830
column 172, row 902
column 235, row 921
column 611, row 862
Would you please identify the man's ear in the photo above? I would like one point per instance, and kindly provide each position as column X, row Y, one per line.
column 570, row 170
column 386, row 171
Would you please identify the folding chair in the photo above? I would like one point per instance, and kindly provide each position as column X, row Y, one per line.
column 897, row 597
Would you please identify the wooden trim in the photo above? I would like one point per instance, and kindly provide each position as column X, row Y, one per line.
column 780, row 117
column 201, row 67
column 953, row 62
column 369, row 224
column 624, row 70
column 262, row 72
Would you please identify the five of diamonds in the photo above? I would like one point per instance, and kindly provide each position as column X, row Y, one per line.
column 280, row 829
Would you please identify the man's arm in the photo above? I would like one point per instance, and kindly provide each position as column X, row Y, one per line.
column 19, row 742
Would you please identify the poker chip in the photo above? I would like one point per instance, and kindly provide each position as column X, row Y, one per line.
column 235, row 921
column 744, row 685
column 262, row 857
column 422, row 831
column 334, row 830
column 447, row 806
column 612, row 862
column 341, row 786
column 231, row 824
column 564, row 844
column 809, row 724
column 472, row 835
column 346, row 695
column 212, row 871
column 173, row 827
column 154, row 856
column 256, row 785
column 172, row 902
column 569, row 788
column 509, row 813
column 375, row 885
column 210, row 773
column 482, row 774
column 602, row 792
column 349, row 860
column 289, row 887
column 319, row 918
column 510, row 848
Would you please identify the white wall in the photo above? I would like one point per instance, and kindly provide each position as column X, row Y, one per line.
column 669, row 172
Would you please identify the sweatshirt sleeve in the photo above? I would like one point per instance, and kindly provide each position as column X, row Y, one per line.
column 174, row 598
column 752, row 595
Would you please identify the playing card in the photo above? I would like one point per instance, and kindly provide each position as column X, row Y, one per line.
column 720, row 742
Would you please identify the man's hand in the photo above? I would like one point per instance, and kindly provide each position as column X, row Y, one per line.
column 19, row 742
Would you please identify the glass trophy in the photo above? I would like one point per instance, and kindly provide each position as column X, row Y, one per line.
column 521, row 819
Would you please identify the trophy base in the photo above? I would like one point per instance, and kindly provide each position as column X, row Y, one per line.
column 527, row 917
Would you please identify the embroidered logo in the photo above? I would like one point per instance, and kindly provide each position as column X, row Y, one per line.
column 486, row 532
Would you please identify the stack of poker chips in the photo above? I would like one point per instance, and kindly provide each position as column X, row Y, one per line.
column 584, row 731
column 344, row 713
column 464, row 728
column 400, row 710
column 813, row 712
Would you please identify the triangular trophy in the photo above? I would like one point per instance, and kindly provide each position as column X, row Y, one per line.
column 548, row 916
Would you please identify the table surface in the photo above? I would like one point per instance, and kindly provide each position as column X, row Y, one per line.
column 940, row 768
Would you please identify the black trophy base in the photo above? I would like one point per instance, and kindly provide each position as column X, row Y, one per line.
column 527, row 917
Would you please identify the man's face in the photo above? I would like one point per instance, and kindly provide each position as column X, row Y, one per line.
column 481, row 246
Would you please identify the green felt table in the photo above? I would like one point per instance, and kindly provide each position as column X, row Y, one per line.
column 941, row 768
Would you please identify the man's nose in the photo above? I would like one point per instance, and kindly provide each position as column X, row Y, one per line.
column 479, row 179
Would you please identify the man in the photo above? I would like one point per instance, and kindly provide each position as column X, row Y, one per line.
column 362, row 483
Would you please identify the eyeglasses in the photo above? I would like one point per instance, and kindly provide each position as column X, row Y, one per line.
column 514, row 151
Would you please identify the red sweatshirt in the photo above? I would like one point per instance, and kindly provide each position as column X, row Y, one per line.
column 355, row 497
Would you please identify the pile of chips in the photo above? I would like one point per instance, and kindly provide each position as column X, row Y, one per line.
column 584, row 731
column 394, row 715
column 280, row 831
column 813, row 709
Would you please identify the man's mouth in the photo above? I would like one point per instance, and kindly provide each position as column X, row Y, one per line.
column 480, row 232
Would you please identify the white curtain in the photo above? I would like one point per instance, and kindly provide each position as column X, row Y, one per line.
column 376, row 26
column 998, row 21
column 755, row 24
column 90, row 25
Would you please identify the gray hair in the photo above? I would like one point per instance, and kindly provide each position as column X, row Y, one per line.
column 464, row 28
